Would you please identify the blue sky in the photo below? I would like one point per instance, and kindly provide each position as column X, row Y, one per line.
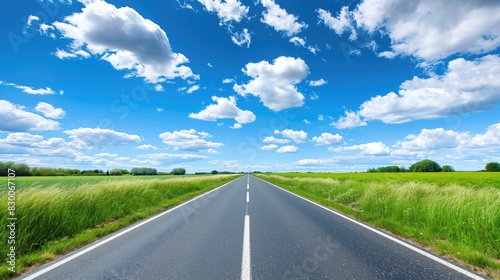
column 268, row 85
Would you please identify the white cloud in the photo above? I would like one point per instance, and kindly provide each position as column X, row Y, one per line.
column 32, row 18
column 490, row 138
column 318, row 83
column 242, row 38
column 321, row 117
column 327, row 139
column 224, row 109
column 46, row 29
column 272, row 139
column 274, row 83
column 298, row 136
column 159, row 159
column 193, row 89
column 62, row 54
column 30, row 90
column 269, row 147
column 227, row 81
column 434, row 139
column 306, row 121
column 350, row 120
column 387, row 54
column 49, row 111
column 189, row 140
column 339, row 24
column 21, row 139
column 159, row 109
column 287, row 149
column 279, row 19
column 298, row 41
column 125, row 39
column 467, row 86
column 159, row 88
column 98, row 137
column 236, row 126
column 15, row 118
column 229, row 10
column 146, row 147
column 370, row 149
column 106, row 155
column 425, row 28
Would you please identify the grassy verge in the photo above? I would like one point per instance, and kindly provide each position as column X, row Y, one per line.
column 460, row 222
column 54, row 220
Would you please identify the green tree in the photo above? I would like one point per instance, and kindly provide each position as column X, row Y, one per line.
column 178, row 171
column 492, row 167
column 425, row 165
column 214, row 172
column 115, row 172
column 447, row 168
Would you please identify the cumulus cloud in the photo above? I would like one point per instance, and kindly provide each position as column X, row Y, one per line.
column 189, row 140
column 274, row 83
column 49, row 111
column 269, row 147
column 327, row 139
column 125, row 39
column 224, row 109
column 193, row 89
column 298, row 136
column 318, row 83
column 98, row 137
column 159, row 159
column 425, row 29
column 339, row 24
column 146, row 147
column 287, row 149
column 434, row 139
column 370, row 149
column 229, row 10
column 236, row 126
column 280, row 19
column 272, row 139
column 350, row 120
column 16, row 119
column 467, row 86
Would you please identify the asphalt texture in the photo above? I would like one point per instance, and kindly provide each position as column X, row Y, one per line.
column 289, row 238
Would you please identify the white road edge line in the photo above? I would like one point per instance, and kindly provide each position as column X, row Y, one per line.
column 245, row 260
column 411, row 247
column 100, row 243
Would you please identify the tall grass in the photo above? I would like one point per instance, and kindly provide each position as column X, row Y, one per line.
column 460, row 221
column 55, row 212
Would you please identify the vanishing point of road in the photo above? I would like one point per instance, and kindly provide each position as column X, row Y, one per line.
column 249, row 229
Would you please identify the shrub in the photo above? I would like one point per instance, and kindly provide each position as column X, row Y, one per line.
column 115, row 172
column 214, row 172
column 492, row 167
column 178, row 171
column 447, row 168
column 425, row 165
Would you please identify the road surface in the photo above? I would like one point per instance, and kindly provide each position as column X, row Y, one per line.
column 249, row 229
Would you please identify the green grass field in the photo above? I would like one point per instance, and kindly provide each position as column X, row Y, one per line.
column 456, row 214
column 57, row 214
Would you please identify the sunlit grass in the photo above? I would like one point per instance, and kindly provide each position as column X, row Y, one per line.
column 456, row 220
column 49, row 215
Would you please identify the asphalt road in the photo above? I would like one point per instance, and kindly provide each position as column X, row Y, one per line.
column 249, row 229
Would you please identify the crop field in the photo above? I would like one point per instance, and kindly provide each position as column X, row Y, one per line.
column 56, row 214
column 456, row 214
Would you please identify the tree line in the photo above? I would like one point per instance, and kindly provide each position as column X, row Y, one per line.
column 23, row 169
column 428, row 165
